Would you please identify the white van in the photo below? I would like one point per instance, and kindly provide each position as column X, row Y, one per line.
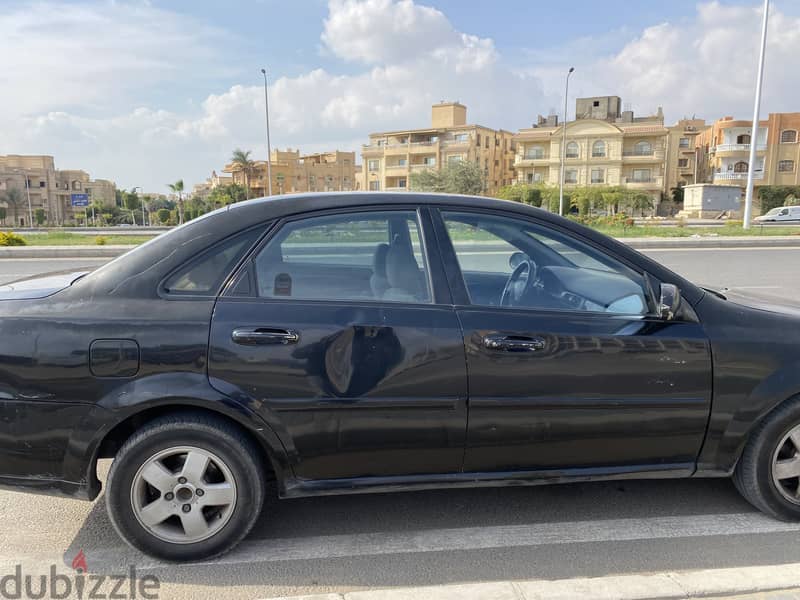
column 782, row 213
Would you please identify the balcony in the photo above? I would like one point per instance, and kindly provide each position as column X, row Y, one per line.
column 422, row 166
column 538, row 160
column 644, row 183
column 731, row 176
column 397, row 189
column 656, row 154
column 734, row 148
column 396, row 167
column 451, row 143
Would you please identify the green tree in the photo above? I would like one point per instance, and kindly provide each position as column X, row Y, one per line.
column 13, row 198
column 39, row 216
column 163, row 215
column 3, row 215
column 242, row 160
column 773, row 196
column 677, row 194
column 177, row 188
column 456, row 178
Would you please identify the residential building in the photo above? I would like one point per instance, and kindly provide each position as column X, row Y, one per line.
column 605, row 146
column 392, row 156
column 202, row 190
column 62, row 194
column 724, row 151
column 292, row 172
column 681, row 157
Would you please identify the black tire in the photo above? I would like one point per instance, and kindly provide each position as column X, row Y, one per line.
column 203, row 431
column 753, row 475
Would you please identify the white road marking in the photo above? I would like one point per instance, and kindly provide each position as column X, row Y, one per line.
column 460, row 539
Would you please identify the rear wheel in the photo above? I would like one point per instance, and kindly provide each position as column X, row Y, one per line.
column 768, row 473
column 186, row 487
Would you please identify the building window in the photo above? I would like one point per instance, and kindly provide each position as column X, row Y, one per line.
column 571, row 176
column 478, row 139
column 786, row 166
column 429, row 161
column 375, row 186
column 454, row 159
column 643, row 148
column 683, row 143
column 42, row 184
column 740, row 167
column 534, row 152
column 743, row 139
column 788, row 136
column 402, row 162
column 572, row 150
column 598, row 149
column 373, row 164
column 461, row 137
column 598, row 175
column 641, row 175
column 683, row 162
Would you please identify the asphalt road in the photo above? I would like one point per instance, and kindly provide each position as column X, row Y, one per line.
column 376, row 541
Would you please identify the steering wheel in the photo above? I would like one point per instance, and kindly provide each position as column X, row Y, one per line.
column 519, row 282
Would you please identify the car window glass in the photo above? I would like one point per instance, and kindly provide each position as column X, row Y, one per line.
column 516, row 264
column 205, row 275
column 355, row 256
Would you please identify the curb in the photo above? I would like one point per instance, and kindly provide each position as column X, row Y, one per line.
column 63, row 251
column 659, row 586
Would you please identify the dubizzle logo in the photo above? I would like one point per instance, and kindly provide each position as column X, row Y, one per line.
column 79, row 562
column 81, row 585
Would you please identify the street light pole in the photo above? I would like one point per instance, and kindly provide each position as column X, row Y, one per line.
column 748, row 198
column 563, row 147
column 144, row 219
column 269, row 149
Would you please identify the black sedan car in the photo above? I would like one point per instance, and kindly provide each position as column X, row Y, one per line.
column 342, row 343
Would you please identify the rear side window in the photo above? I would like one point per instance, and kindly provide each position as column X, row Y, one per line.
column 205, row 275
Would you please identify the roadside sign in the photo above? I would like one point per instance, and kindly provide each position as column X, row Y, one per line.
column 80, row 199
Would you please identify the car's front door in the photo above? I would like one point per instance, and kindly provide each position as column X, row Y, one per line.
column 569, row 369
column 339, row 334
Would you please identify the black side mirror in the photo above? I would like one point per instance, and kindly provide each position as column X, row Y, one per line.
column 669, row 301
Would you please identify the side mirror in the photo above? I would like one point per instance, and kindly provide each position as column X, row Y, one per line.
column 669, row 301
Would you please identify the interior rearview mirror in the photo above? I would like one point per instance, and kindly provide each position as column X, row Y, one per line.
column 669, row 301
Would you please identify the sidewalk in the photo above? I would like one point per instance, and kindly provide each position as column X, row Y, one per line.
column 776, row 582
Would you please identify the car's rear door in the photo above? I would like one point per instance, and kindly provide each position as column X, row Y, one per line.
column 558, row 383
column 341, row 332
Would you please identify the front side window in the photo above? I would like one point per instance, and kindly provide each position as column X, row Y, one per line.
column 512, row 263
column 683, row 143
column 788, row 136
column 354, row 256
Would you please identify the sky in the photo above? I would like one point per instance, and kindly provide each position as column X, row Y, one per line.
column 148, row 92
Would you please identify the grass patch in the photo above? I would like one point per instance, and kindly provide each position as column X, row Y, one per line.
column 683, row 232
column 57, row 238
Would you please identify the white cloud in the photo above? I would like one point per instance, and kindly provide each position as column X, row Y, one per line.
column 97, row 101
column 704, row 65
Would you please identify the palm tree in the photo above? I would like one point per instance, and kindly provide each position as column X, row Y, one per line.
column 242, row 160
column 13, row 198
column 177, row 188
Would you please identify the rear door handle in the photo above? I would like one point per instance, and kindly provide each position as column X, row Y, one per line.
column 257, row 336
column 513, row 343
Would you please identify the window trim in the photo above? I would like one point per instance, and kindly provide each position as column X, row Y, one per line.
column 439, row 291
column 787, row 131
column 458, row 286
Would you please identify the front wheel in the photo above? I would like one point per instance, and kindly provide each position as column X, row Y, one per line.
column 768, row 473
column 186, row 487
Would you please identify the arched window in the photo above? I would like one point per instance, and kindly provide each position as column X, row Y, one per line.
column 743, row 139
column 599, row 149
column 643, row 148
column 788, row 136
column 740, row 167
column 572, row 150
column 534, row 152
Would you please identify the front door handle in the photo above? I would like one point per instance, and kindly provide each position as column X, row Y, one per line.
column 513, row 343
column 257, row 336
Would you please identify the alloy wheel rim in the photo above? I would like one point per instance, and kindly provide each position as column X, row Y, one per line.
column 786, row 466
column 183, row 494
